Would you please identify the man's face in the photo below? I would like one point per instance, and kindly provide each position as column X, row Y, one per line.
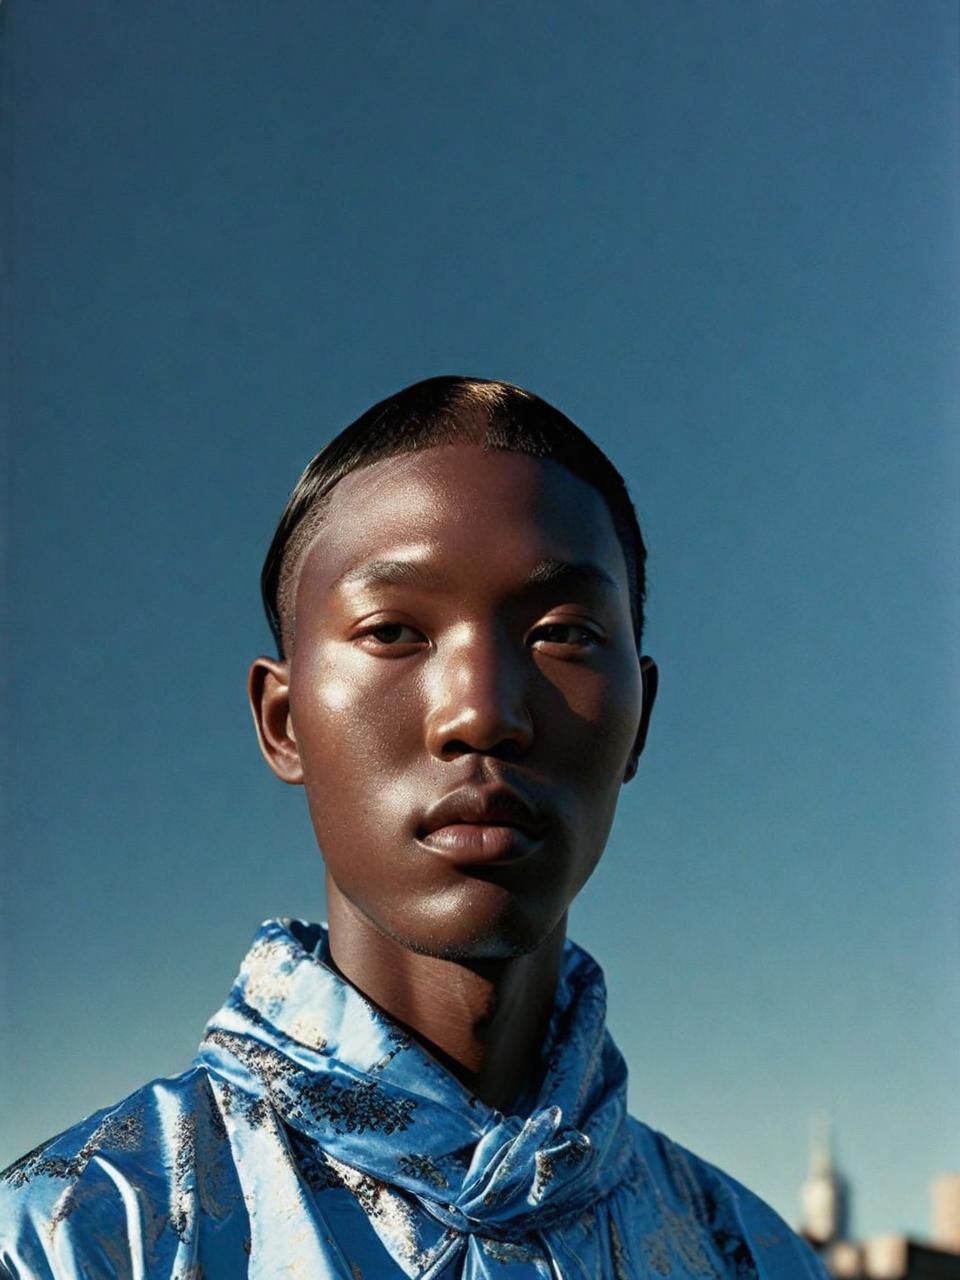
column 442, row 649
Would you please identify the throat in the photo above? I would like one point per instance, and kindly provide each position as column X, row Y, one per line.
column 485, row 1021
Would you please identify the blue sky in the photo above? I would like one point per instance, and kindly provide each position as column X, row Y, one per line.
column 723, row 239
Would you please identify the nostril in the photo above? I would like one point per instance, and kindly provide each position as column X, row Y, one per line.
column 508, row 749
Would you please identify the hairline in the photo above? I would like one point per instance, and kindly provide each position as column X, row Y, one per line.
column 448, row 409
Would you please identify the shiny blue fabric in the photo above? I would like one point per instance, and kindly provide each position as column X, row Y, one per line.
column 312, row 1137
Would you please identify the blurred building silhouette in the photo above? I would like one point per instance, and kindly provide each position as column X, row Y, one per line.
column 824, row 1196
column 824, row 1219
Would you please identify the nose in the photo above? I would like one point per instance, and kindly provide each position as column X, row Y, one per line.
column 479, row 699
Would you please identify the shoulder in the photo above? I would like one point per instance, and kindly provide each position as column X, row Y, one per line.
column 113, row 1190
column 739, row 1227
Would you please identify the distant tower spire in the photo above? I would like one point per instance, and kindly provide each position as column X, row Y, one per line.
column 823, row 1196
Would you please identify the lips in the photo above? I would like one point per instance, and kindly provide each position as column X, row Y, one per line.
column 481, row 824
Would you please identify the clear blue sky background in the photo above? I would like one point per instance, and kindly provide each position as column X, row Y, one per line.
column 723, row 237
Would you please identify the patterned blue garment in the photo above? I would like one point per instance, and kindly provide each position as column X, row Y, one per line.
column 312, row 1138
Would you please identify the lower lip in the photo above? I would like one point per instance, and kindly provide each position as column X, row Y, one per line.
column 479, row 842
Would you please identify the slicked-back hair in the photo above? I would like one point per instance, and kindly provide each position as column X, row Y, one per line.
column 437, row 411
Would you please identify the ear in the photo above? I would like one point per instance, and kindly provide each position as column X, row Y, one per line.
column 268, row 688
column 650, row 678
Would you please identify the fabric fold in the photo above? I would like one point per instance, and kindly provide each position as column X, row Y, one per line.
column 314, row 1136
column 295, row 1035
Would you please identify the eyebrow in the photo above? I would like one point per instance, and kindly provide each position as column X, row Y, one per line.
column 552, row 572
column 388, row 573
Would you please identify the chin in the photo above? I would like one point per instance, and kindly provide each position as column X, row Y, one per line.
column 473, row 931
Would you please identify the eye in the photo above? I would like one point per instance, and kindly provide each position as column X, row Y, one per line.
column 393, row 635
column 571, row 635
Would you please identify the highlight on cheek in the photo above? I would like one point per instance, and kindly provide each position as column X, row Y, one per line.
column 334, row 694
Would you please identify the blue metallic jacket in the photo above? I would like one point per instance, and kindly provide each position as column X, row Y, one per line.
column 313, row 1138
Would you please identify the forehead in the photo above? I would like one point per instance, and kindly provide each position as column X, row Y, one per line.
column 489, row 513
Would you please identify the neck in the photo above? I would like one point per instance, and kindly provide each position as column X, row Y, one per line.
column 485, row 1020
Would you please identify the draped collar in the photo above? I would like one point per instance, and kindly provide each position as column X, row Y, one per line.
column 356, row 1092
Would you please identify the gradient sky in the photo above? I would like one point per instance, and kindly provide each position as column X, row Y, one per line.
column 723, row 238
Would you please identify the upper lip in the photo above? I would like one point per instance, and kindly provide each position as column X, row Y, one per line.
column 501, row 806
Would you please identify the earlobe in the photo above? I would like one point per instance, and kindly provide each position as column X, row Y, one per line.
column 650, row 678
column 268, row 689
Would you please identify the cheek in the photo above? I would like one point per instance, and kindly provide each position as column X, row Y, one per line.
column 351, row 730
column 603, row 706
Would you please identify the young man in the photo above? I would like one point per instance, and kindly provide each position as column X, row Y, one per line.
column 425, row 1087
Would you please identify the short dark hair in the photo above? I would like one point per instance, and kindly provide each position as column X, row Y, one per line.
column 436, row 411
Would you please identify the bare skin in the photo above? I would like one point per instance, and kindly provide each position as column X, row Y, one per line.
column 462, row 725
column 485, row 1020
